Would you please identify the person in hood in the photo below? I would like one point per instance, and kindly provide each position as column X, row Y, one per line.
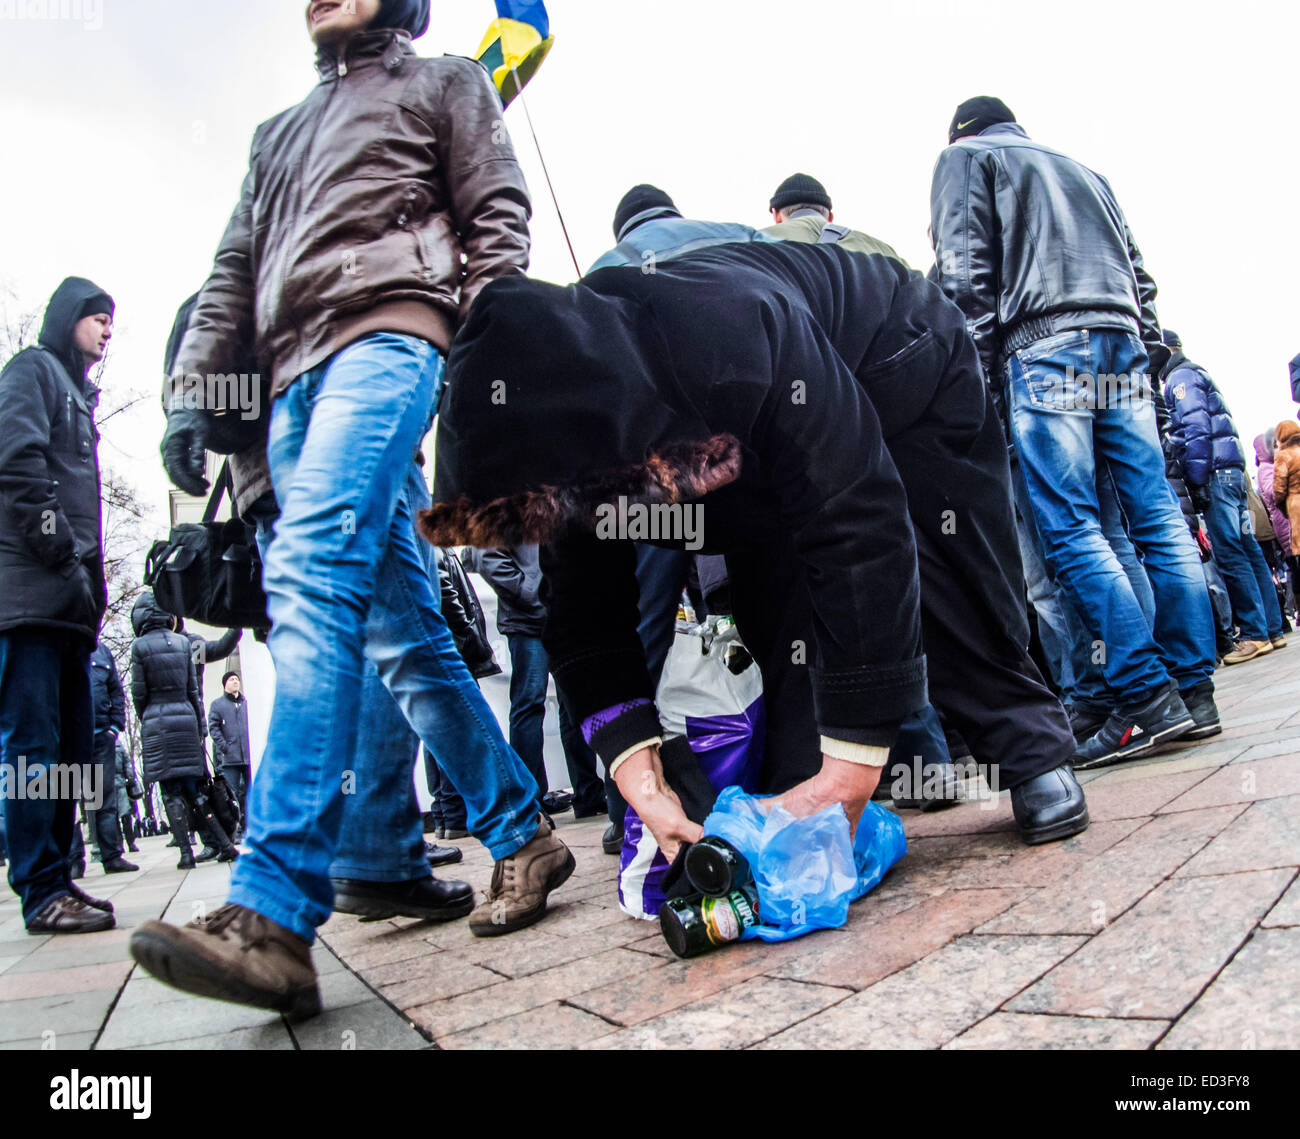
column 54, row 596
column 169, row 707
column 1265, row 446
column 373, row 214
column 819, row 418
column 1205, row 448
column 1286, row 485
column 1034, row 249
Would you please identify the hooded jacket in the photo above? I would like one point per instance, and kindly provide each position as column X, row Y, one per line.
column 1295, row 379
column 1286, row 479
column 1265, row 480
column 1200, row 425
column 165, row 692
column 51, row 556
column 761, row 382
column 1030, row 243
column 384, row 201
column 106, row 692
column 228, row 730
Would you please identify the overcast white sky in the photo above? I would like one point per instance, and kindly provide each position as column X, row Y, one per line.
column 125, row 144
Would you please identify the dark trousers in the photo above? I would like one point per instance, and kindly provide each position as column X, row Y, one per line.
column 237, row 776
column 184, row 797
column 47, row 722
column 529, row 677
column 107, row 828
column 448, row 807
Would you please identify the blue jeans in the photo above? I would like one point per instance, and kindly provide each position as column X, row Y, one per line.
column 529, row 676
column 1241, row 561
column 47, row 721
column 1064, row 435
column 344, row 581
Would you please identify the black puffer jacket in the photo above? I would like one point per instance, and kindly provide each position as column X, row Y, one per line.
column 1030, row 243
column 165, row 691
column 106, row 692
column 51, row 559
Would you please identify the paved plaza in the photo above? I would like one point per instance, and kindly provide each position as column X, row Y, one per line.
column 1173, row 922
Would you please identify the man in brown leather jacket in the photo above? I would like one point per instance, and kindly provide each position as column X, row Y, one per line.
column 372, row 215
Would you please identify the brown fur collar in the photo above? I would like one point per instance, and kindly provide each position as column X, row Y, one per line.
column 682, row 471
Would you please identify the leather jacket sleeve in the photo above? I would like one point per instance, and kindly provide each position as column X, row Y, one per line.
column 220, row 649
column 963, row 221
column 26, row 484
column 1157, row 353
column 222, row 321
column 458, row 620
column 489, row 198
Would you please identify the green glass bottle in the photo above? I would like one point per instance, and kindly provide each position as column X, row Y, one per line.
column 692, row 926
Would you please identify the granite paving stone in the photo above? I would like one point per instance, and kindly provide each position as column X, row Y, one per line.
column 1287, row 911
column 551, row 1026
column 1018, row 1030
column 1265, row 835
column 1156, row 959
column 1254, row 1003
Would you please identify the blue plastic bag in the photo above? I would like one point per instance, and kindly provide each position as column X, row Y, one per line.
column 806, row 870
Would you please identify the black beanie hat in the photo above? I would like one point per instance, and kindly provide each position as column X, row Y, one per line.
column 638, row 200
column 100, row 302
column 228, row 675
column 978, row 114
column 1171, row 339
column 800, row 190
column 409, row 15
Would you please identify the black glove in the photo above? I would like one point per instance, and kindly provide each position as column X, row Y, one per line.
column 1200, row 498
column 184, row 450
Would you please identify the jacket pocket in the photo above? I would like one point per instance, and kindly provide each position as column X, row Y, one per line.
column 902, row 386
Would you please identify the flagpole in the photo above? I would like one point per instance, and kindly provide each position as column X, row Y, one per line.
column 519, row 88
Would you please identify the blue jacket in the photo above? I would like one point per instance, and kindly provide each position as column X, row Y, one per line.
column 663, row 238
column 1200, row 428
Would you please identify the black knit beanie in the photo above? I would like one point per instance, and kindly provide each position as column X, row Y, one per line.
column 639, row 200
column 1171, row 339
column 978, row 114
column 99, row 303
column 800, row 190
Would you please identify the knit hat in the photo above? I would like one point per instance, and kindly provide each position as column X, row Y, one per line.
column 978, row 114
column 800, row 190
column 1171, row 339
column 408, row 15
column 642, row 200
column 99, row 303
column 228, row 675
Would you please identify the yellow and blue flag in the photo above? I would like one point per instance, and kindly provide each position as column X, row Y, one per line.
column 515, row 45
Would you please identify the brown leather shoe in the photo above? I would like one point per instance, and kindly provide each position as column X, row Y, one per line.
column 235, row 954
column 66, row 914
column 520, row 884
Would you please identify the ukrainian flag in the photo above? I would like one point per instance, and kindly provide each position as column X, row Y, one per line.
column 515, row 45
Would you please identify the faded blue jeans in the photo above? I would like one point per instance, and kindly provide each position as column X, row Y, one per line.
column 1067, row 426
column 1241, row 561
column 345, row 581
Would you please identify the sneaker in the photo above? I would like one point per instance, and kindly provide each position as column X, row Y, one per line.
column 521, row 883
column 429, row 899
column 1133, row 730
column 236, row 955
column 1278, row 642
column 207, row 854
column 1086, row 720
column 66, row 914
column 1200, row 703
column 86, row 900
column 1248, row 650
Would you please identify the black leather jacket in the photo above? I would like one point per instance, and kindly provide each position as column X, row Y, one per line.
column 1030, row 243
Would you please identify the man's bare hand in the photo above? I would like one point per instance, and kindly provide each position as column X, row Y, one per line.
column 640, row 778
column 849, row 784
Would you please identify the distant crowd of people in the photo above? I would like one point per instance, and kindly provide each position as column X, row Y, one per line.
column 946, row 510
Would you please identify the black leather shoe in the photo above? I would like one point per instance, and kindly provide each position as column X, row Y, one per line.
column 187, row 860
column 442, row 855
column 1050, row 806
column 611, row 842
column 119, row 865
column 454, row 832
column 207, row 854
column 86, row 900
column 429, row 899
column 227, row 855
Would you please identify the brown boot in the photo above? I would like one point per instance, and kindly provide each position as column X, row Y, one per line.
column 520, row 884
column 235, row 954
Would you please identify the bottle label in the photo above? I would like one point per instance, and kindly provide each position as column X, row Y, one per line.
column 725, row 919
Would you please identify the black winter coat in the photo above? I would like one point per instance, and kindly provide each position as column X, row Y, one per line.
column 228, row 729
column 106, row 692
column 781, row 387
column 165, row 692
column 51, row 559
